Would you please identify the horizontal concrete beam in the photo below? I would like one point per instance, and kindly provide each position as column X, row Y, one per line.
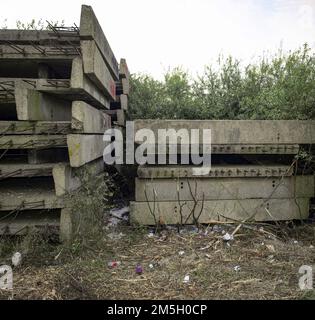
column 32, row 141
column 90, row 29
column 95, row 68
column 84, row 148
column 68, row 179
column 227, row 149
column 38, row 53
column 242, row 131
column 26, row 221
column 224, row 188
column 22, row 170
column 28, row 196
column 217, row 171
column 87, row 119
column 220, row 210
column 37, row 36
column 35, row 127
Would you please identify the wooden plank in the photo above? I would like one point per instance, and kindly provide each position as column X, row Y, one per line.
column 219, row 210
column 90, row 29
column 224, row 188
column 95, row 68
column 87, row 119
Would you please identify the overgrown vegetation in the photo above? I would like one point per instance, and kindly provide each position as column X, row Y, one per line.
column 279, row 87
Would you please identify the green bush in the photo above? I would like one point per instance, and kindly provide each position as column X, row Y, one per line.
column 278, row 87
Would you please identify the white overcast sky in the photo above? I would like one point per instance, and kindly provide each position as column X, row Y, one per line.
column 156, row 34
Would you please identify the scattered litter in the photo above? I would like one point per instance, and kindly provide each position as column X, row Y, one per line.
column 117, row 216
column 295, row 242
column 151, row 266
column 113, row 264
column 237, row 268
column 181, row 253
column 16, row 259
column 151, row 234
column 227, row 237
column 271, row 248
column 311, row 247
column 139, row 269
column 186, row 279
column 217, row 228
column 120, row 213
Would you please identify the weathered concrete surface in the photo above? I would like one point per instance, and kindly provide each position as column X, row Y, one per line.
column 28, row 220
column 123, row 99
column 84, row 148
column 68, row 179
column 224, row 188
column 21, row 170
column 220, row 210
column 37, row 36
column 87, row 119
column 35, row 127
column 95, row 68
column 123, row 69
column 245, row 149
column 90, row 29
column 30, row 195
column 242, row 131
column 66, row 225
column 121, row 118
column 123, row 87
column 29, row 104
column 79, row 87
column 217, row 171
column 38, row 54
column 32, row 141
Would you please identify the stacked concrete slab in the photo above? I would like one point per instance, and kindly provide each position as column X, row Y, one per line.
column 57, row 89
column 252, row 177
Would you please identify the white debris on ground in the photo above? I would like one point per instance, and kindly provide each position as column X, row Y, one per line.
column 16, row 259
column 117, row 216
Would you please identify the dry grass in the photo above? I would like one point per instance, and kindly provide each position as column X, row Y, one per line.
column 268, row 266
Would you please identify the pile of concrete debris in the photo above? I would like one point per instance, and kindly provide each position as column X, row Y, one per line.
column 253, row 176
column 60, row 89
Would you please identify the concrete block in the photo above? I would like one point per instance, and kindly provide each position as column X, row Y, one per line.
column 68, row 179
column 32, row 141
column 95, row 68
column 84, row 148
column 224, row 188
column 87, row 119
column 240, row 132
column 90, row 29
column 220, row 210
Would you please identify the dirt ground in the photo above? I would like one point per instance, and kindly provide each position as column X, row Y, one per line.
column 262, row 262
